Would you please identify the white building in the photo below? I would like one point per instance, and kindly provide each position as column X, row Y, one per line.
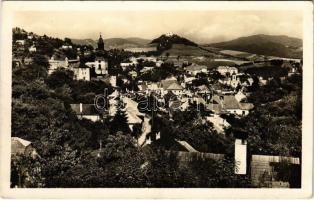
column 133, row 60
column 21, row 42
column 32, row 48
column 262, row 81
column 66, row 47
column 232, row 81
column 100, row 65
column 159, row 63
column 133, row 74
column 195, row 69
column 145, row 58
column 223, row 70
column 188, row 79
column 30, row 36
column 81, row 73
column 219, row 123
column 113, row 81
column 125, row 65
column 220, row 104
column 56, row 63
column 146, row 69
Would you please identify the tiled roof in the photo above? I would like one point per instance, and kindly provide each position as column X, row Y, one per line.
column 175, row 86
column 203, row 88
column 25, row 143
column 75, row 65
column 131, row 106
column 19, row 145
column 165, row 84
column 217, row 108
column 246, row 106
column 228, row 102
column 187, row 146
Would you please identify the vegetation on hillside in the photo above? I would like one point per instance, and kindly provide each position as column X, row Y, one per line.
column 281, row 46
column 165, row 42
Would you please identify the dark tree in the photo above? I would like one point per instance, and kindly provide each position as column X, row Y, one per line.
column 120, row 120
column 59, row 77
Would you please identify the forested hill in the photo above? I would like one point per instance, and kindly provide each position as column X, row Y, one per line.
column 166, row 41
column 271, row 45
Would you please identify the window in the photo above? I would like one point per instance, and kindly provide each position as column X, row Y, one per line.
column 243, row 112
column 99, row 66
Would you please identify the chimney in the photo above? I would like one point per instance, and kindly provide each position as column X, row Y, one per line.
column 81, row 107
column 240, row 156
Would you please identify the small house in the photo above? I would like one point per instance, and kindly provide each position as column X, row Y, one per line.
column 86, row 111
column 20, row 147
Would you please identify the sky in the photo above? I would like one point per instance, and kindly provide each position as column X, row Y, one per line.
column 198, row 26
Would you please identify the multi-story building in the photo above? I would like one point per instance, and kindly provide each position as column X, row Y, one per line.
column 100, row 65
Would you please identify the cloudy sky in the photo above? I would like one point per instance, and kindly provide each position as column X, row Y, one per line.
column 199, row 26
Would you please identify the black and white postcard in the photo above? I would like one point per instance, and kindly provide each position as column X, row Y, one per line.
column 128, row 99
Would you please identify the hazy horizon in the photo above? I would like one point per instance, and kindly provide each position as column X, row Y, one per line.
column 198, row 26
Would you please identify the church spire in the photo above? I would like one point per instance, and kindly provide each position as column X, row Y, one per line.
column 100, row 44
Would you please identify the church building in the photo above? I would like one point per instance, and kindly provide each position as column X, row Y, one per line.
column 99, row 67
column 100, row 44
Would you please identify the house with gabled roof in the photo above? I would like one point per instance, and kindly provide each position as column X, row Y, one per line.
column 81, row 72
column 57, row 61
column 21, row 147
column 171, row 85
column 220, row 104
column 195, row 69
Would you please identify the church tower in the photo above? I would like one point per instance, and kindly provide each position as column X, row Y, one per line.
column 100, row 44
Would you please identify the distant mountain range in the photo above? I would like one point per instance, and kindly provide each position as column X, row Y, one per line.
column 271, row 45
column 115, row 42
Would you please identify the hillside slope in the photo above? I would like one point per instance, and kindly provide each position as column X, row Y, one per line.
column 281, row 46
column 166, row 41
column 115, row 42
column 85, row 42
